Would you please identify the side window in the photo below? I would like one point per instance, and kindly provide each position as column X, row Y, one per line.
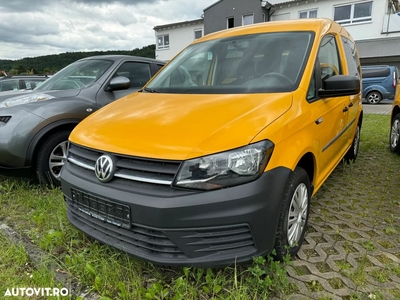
column 138, row 73
column 328, row 57
column 9, row 85
column 31, row 84
column 329, row 65
column 351, row 57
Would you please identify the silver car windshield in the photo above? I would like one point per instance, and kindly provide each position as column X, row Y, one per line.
column 268, row 62
column 77, row 75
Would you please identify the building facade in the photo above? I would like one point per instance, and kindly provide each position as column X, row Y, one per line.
column 172, row 38
column 374, row 24
column 225, row 14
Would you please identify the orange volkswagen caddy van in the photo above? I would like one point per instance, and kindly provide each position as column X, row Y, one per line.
column 215, row 160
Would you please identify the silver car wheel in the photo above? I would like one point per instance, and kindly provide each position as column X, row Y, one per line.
column 57, row 159
column 297, row 216
column 374, row 98
column 395, row 134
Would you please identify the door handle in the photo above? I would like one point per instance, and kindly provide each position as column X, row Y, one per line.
column 351, row 104
column 345, row 109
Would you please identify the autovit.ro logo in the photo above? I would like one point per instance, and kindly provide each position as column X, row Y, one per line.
column 29, row 292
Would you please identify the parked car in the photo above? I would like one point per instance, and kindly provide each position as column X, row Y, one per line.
column 379, row 82
column 21, row 82
column 215, row 160
column 394, row 140
column 34, row 127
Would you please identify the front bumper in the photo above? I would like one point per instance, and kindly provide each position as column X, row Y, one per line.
column 17, row 129
column 202, row 229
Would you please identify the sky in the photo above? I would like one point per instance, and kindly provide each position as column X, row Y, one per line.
column 31, row 28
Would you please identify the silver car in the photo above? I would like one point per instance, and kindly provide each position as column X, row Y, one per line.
column 34, row 126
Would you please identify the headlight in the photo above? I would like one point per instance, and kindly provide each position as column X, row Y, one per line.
column 225, row 169
column 25, row 99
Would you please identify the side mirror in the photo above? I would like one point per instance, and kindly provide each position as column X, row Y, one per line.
column 340, row 85
column 119, row 83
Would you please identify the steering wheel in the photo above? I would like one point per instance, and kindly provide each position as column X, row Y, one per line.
column 278, row 76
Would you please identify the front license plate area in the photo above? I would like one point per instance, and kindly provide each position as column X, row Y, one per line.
column 102, row 209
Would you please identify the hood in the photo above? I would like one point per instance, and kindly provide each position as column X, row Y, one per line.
column 178, row 127
column 35, row 95
column 11, row 94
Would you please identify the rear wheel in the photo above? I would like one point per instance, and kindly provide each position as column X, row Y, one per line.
column 51, row 158
column 374, row 97
column 395, row 134
column 294, row 213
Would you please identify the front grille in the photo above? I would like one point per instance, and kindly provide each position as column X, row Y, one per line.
column 174, row 245
column 5, row 119
column 140, row 175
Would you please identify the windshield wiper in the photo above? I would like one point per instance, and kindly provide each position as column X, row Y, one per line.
column 149, row 90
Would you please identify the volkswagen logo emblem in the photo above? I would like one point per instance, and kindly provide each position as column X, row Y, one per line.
column 104, row 168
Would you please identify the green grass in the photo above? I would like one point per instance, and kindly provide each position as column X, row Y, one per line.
column 40, row 215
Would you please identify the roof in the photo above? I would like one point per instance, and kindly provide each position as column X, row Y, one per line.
column 24, row 76
column 215, row 3
column 289, row 2
column 179, row 24
column 319, row 25
column 373, row 47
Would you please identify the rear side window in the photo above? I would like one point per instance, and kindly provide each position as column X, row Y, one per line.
column 375, row 72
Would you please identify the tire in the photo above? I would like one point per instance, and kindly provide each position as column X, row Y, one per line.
column 352, row 153
column 374, row 97
column 394, row 141
column 294, row 213
column 51, row 157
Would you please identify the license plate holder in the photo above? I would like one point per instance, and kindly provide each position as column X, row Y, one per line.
column 102, row 209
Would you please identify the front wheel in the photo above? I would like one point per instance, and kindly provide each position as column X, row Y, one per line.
column 51, row 158
column 294, row 213
column 374, row 97
column 353, row 151
column 395, row 135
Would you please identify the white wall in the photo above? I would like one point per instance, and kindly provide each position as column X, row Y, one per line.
column 179, row 38
column 367, row 30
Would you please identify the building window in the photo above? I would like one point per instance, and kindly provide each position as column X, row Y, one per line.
column 163, row 41
column 353, row 13
column 230, row 22
column 198, row 33
column 308, row 14
column 248, row 19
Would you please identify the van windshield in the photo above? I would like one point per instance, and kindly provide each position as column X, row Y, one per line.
column 256, row 63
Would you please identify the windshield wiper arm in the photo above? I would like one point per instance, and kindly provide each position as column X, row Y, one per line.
column 149, row 90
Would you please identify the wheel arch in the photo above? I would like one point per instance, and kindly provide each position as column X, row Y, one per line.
column 395, row 111
column 360, row 118
column 44, row 133
column 307, row 162
column 374, row 90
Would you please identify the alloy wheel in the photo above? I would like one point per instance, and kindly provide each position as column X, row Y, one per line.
column 395, row 134
column 57, row 159
column 297, row 216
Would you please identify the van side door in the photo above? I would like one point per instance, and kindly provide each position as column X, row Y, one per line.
column 354, row 101
column 330, row 113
